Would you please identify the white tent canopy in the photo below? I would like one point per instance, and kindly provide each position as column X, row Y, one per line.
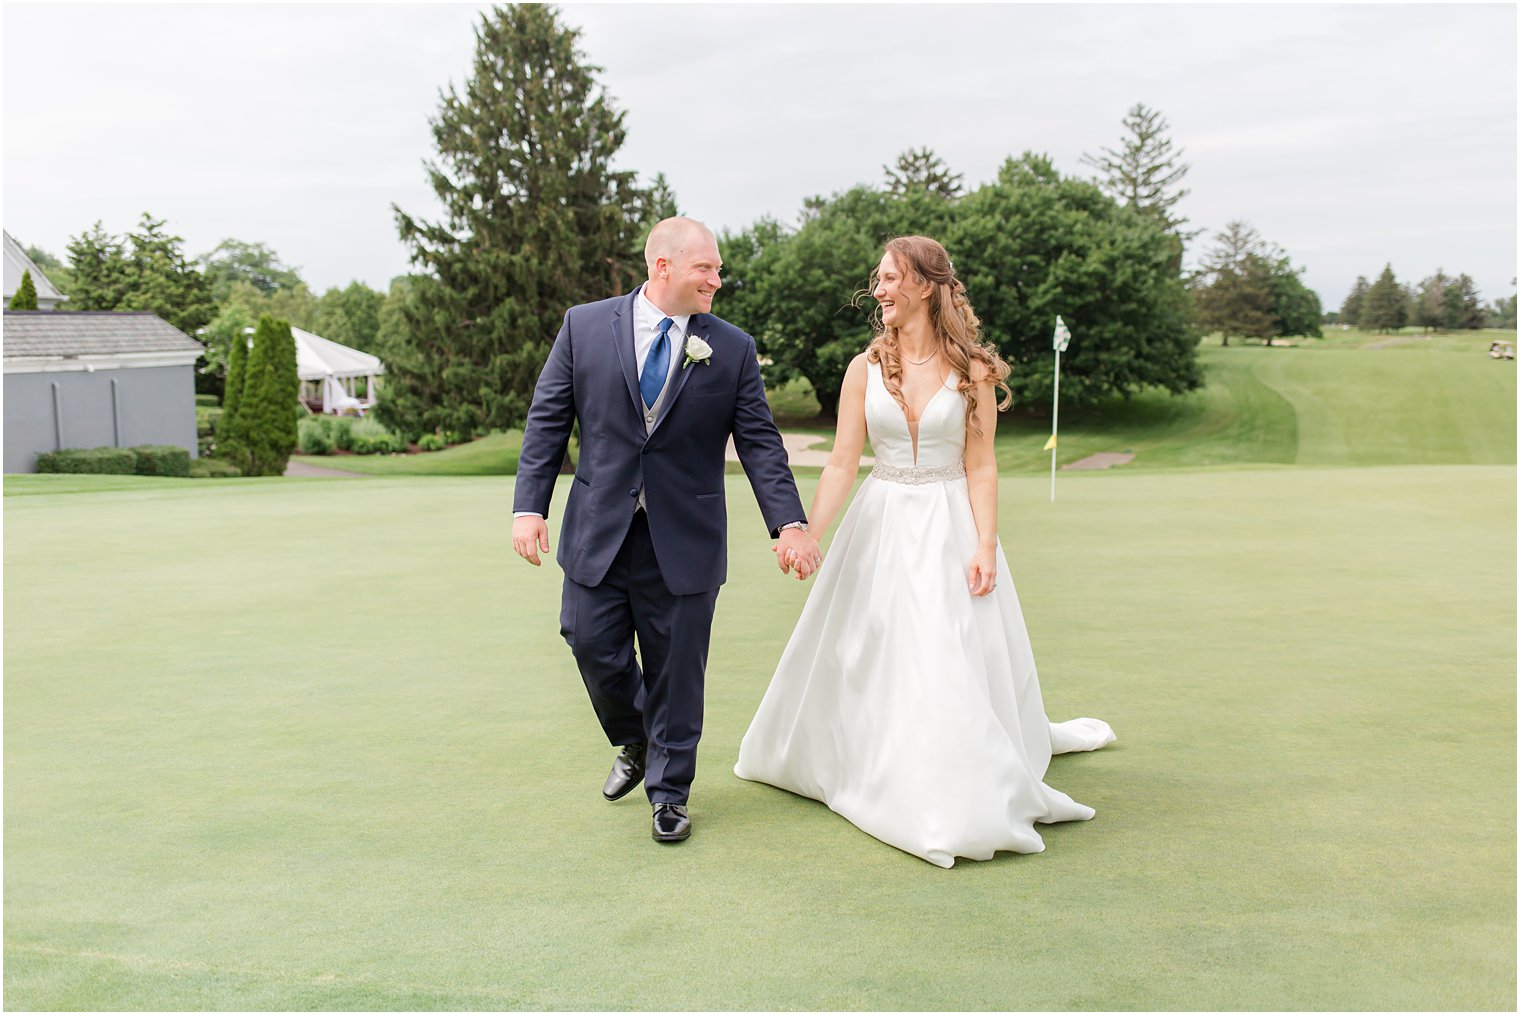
column 330, row 370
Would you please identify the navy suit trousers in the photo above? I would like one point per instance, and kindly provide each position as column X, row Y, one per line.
column 655, row 696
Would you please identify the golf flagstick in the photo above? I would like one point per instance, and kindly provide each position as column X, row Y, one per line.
column 1059, row 341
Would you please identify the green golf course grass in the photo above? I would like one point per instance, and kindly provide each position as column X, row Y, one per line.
column 317, row 744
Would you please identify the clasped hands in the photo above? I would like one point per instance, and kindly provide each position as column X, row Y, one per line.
column 797, row 551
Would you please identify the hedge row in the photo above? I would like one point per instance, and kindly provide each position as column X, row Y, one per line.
column 142, row 460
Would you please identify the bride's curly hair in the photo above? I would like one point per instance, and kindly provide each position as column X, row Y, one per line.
column 955, row 325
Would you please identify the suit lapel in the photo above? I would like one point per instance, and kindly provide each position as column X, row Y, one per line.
column 693, row 327
column 622, row 340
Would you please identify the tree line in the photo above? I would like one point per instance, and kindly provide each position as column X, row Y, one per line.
column 216, row 297
column 537, row 218
column 1440, row 302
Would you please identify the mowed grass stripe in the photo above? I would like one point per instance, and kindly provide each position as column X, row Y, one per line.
column 319, row 745
column 1403, row 406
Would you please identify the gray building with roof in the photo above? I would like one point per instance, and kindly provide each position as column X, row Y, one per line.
column 92, row 379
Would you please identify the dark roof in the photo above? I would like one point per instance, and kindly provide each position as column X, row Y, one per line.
column 37, row 333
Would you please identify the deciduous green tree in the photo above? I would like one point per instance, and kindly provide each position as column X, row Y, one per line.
column 332, row 319
column 1295, row 307
column 1031, row 245
column 350, row 316
column 809, row 322
column 235, row 261
column 1463, row 306
column 56, row 271
column 1429, row 304
column 536, row 219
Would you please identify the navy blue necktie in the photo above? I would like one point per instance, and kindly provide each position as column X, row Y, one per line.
column 657, row 365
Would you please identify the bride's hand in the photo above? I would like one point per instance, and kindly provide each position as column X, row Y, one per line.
column 982, row 577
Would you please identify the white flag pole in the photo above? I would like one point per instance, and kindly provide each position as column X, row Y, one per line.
column 1060, row 340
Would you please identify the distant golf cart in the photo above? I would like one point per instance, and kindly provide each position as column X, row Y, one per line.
column 1501, row 350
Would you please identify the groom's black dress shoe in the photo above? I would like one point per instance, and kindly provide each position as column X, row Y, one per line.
column 627, row 772
column 671, row 823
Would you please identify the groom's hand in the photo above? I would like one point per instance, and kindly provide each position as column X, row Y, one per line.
column 796, row 549
column 530, row 535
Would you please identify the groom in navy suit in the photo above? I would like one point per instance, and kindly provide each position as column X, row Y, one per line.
column 658, row 385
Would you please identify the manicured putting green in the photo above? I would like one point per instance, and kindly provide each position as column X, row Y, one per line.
column 319, row 745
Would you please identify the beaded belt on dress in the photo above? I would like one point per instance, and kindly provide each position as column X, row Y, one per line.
column 916, row 475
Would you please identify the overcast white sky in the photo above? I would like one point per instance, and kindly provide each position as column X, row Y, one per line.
column 1352, row 135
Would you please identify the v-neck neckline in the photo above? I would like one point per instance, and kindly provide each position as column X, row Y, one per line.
column 903, row 412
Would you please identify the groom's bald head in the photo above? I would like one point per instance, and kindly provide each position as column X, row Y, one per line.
column 671, row 237
column 683, row 260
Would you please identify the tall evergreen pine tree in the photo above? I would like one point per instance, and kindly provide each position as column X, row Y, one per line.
column 536, row 220
column 231, row 442
column 1351, row 309
column 26, row 293
column 1385, row 307
column 258, row 432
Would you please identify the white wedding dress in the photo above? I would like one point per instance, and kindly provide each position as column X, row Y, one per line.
column 906, row 704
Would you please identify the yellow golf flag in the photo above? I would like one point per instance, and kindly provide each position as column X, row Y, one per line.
column 1050, row 445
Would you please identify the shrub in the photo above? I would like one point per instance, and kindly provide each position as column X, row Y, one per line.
column 430, row 442
column 342, row 434
column 207, row 419
column 213, row 468
column 315, row 437
column 161, row 460
column 370, row 437
column 106, row 461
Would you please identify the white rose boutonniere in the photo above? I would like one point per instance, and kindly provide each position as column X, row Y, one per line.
column 697, row 351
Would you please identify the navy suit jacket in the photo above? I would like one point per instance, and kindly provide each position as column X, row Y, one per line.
column 591, row 376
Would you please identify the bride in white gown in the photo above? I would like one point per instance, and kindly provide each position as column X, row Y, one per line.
column 907, row 698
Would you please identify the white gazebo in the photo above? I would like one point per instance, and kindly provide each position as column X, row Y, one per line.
column 328, row 372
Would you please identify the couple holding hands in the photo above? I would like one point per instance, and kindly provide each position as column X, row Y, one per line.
column 907, row 698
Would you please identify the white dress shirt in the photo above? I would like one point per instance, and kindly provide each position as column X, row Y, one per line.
column 646, row 328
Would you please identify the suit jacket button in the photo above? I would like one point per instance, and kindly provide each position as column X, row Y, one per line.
column 634, row 492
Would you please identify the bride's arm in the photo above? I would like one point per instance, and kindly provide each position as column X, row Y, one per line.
column 844, row 461
column 981, row 484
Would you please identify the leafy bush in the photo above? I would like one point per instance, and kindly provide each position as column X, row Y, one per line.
column 342, row 433
column 430, row 442
column 161, row 460
column 213, row 468
column 315, row 437
column 106, row 461
column 370, row 437
column 207, row 419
